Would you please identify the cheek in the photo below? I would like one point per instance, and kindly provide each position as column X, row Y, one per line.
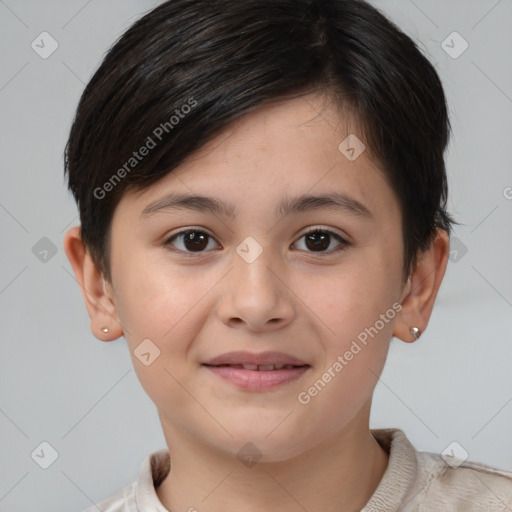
column 355, row 306
column 160, row 304
column 160, row 333
column 350, row 295
column 359, row 312
column 157, row 299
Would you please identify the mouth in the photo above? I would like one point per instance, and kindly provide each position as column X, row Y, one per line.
column 259, row 374
column 257, row 371
column 259, row 367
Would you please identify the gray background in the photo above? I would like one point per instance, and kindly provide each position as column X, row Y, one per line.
column 61, row 385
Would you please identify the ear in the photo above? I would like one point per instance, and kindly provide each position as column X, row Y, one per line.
column 422, row 286
column 97, row 292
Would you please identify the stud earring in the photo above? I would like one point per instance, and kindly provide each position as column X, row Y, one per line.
column 104, row 329
column 415, row 332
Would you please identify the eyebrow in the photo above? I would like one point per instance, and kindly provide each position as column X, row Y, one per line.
column 334, row 201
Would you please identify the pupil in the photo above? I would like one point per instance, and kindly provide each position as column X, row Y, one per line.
column 320, row 240
column 195, row 241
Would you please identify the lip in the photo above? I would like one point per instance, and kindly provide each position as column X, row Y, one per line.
column 257, row 380
column 261, row 358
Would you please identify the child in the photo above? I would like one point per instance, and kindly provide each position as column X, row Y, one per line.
column 262, row 195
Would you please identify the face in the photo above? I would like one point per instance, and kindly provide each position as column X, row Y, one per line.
column 201, row 282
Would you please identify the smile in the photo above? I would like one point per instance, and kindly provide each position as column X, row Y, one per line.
column 253, row 377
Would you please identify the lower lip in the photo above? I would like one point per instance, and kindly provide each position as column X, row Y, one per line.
column 255, row 380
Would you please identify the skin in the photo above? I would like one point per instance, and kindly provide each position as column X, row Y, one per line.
column 294, row 298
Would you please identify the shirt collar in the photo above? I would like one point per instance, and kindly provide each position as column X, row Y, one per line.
column 401, row 473
column 154, row 469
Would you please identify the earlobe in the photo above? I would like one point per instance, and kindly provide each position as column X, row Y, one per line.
column 422, row 288
column 99, row 301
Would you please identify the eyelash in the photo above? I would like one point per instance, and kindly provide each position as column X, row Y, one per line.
column 341, row 247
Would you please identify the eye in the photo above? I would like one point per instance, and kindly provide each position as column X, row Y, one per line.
column 191, row 240
column 319, row 240
column 316, row 239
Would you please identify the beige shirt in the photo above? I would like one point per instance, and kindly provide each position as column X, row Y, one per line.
column 413, row 481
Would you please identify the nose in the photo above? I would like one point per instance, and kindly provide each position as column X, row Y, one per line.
column 255, row 295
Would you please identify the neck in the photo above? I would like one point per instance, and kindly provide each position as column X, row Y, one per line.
column 340, row 474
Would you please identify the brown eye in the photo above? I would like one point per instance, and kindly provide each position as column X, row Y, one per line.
column 319, row 240
column 190, row 240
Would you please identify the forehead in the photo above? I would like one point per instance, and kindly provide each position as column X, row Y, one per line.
column 284, row 149
column 280, row 125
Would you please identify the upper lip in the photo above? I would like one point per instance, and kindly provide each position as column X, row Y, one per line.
column 261, row 358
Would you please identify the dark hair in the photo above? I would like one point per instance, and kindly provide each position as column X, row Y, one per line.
column 181, row 73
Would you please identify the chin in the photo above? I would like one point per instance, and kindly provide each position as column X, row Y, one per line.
column 267, row 445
